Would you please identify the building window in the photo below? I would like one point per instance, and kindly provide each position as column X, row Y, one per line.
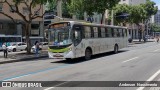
column 11, row 26
column 35, row 29
column 1, row 7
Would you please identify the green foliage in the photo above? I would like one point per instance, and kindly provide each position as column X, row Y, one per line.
column 138, row 13
column 155, row 28
column 52, row 5
column 99, row 6
column 75, row 7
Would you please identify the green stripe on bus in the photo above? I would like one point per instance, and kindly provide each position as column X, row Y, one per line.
column 58, row 50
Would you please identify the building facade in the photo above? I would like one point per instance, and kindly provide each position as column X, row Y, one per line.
column 7, row 27
column 132, row 2
column 133, row 29
column 157, row 18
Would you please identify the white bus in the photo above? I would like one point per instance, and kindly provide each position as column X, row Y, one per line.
column 9, row 39
column 71, row 39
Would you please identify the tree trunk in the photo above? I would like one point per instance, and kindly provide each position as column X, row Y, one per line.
column 102, row 18
column 27, row 34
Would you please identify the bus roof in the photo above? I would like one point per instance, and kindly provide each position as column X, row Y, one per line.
column 87, row 23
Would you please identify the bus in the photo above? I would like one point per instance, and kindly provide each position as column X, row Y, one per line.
column 9, row 39
column 73, row 39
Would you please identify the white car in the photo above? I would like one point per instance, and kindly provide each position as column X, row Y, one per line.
column 18, row 46
column 42, row 46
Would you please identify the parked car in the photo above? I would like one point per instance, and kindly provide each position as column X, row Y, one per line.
column 17, row 46
column 42, row 46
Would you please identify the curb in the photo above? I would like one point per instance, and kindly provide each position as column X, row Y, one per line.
column 23, row 59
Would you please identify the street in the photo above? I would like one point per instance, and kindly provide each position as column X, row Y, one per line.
column 138, row 62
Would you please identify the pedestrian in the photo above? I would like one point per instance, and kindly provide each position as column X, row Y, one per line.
column 36, row 47
column 157, row 39
column 5, row 50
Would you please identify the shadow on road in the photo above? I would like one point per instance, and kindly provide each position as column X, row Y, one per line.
column 79, row 60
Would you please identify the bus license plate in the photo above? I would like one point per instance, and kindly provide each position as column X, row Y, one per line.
column 57, row 55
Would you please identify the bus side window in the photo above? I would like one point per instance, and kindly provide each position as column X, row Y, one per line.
column 92, row 32
column 112, row 32
column 87, row 32
column 122, row 32
column 103, row 32
column 99, row 32
column 115, row 32
column 118, row 33
column 109, row 32
column 95, row 30
column 126, row 32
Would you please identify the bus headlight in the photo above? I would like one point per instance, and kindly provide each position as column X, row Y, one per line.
column 69, row 49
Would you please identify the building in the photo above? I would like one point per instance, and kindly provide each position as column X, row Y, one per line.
column 133, row 29
column 7, row 27
column 132, row 2
column 157, row 18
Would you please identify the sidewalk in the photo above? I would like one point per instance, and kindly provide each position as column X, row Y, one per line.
column 22, row 56
column 136, row 41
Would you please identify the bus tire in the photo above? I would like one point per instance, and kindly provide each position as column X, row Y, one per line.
column 68, row 59
column 88, row 54
column 116, row 49
column 14, row 49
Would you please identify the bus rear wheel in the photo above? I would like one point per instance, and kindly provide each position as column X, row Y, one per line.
column 116, row 49
column 88, row 54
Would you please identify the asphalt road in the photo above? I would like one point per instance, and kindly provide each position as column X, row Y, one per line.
column 138, row 62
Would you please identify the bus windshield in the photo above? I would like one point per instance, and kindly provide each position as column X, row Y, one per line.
column 59, row 36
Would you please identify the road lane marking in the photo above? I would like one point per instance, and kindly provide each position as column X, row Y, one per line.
column 56, row 85
column 156, row 50
column 31, row 73
column 130, row 59
column 150, row 79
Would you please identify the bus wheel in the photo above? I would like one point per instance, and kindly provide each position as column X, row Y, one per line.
column 116, row 49
column 88, row 54
column 68, row 59
column 14, row 50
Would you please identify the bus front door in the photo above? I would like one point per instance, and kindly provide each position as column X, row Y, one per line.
column 77, row 38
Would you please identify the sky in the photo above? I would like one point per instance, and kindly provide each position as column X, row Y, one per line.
column 157, row 3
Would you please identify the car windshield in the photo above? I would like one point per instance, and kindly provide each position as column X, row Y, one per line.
column 59, row 36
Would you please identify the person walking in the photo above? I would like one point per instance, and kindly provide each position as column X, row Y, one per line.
column 157, row 39
column 5, row 50
column 36, row 48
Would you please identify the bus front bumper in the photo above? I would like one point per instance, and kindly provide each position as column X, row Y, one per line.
column 61, row 55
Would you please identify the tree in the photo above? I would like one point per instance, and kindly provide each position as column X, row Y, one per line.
column 99, row 6
column 75, row 7
column 119, row 10
column 15, row 6
column 52, row 5
column 137, row 14
column 155, row 28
